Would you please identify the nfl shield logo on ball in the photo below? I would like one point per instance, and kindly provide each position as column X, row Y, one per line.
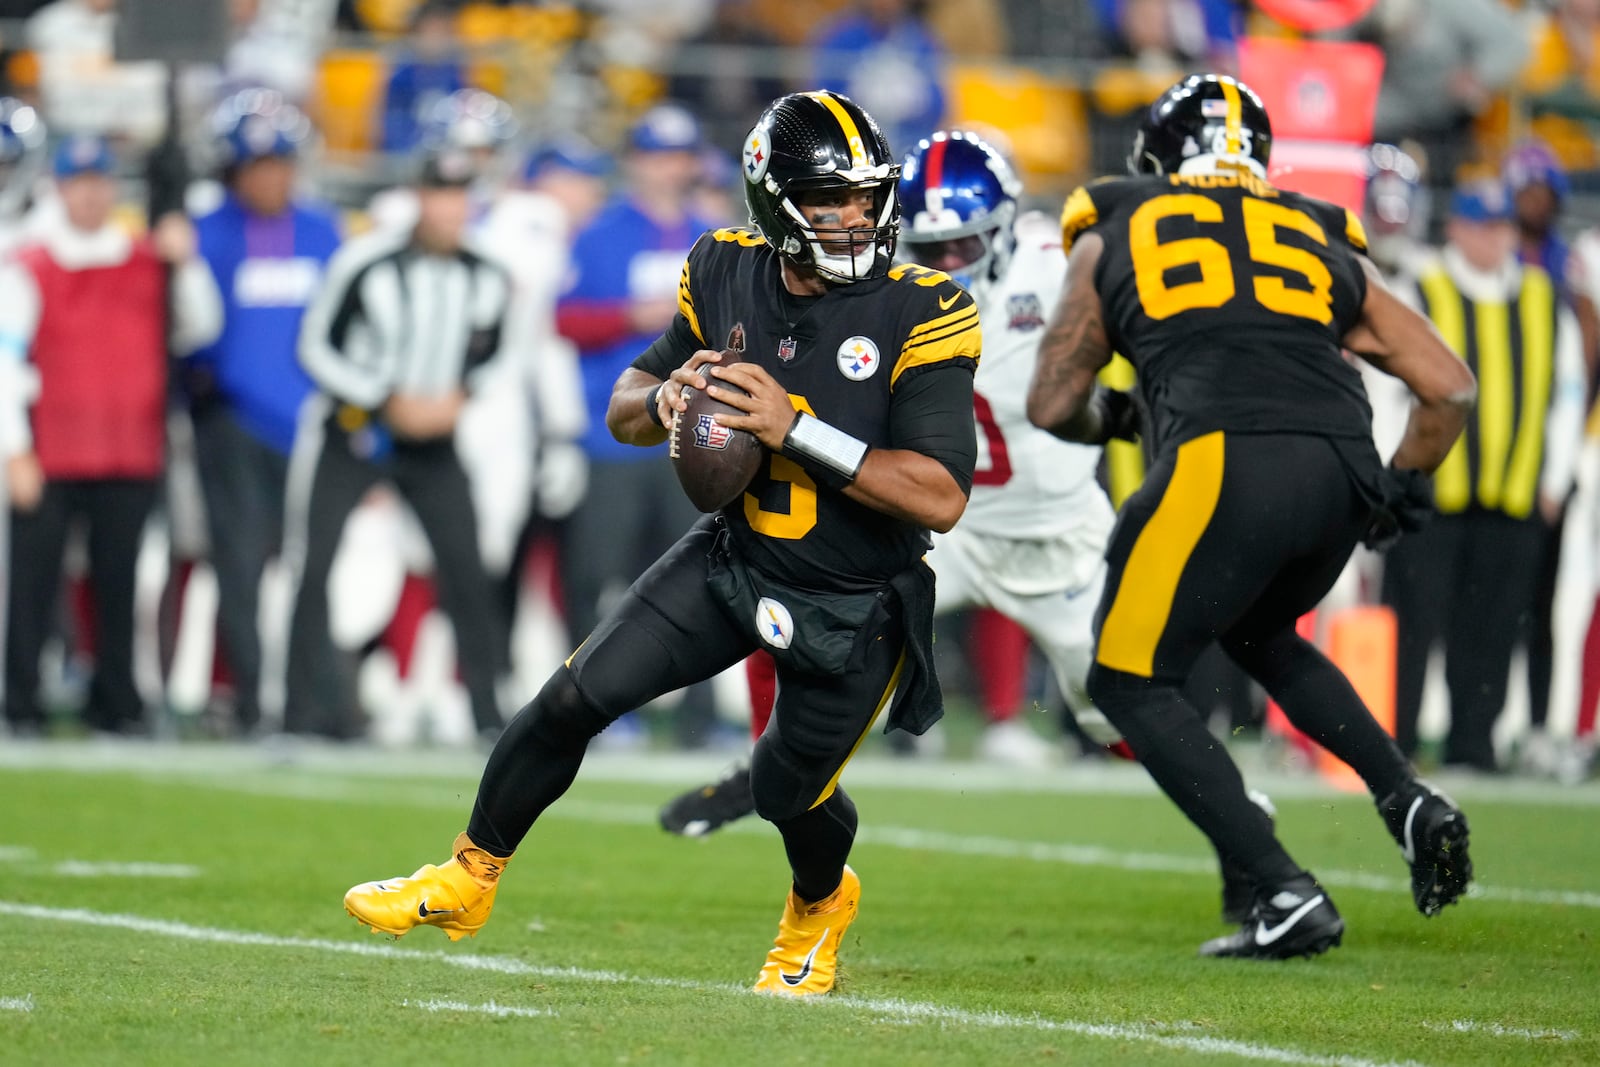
column 774, row 623
column 709, row 433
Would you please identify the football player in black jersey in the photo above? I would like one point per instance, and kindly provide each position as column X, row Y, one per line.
column 1233, row 299
column 859, row 381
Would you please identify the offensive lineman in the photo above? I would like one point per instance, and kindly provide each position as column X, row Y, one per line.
column 1232, row 298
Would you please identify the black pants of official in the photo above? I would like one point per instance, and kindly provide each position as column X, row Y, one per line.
column 1541, row 635
column 669, row 630
column 320, row 689
column 244, row 481
column 113, row 511
column 1467, row 581
column 633, row 512
column 1231, row 539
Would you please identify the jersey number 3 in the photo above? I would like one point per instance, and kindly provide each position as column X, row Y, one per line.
column 1263, row 221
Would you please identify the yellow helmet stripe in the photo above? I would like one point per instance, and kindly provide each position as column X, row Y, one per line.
column 852, row 134
column 1230, row 93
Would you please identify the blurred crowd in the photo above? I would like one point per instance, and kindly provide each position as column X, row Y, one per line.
column 211, row 386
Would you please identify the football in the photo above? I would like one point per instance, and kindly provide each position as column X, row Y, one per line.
column 714, row 463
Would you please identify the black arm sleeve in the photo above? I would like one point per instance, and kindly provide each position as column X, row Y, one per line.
column 669, row 351
column 932, row 414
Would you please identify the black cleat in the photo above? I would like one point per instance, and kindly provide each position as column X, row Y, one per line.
column 1238, row 892
column 1432, row 834
column 700, row 811
column 1294, row 918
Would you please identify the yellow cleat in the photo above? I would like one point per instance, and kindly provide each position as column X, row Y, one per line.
column 804, row 959
column 455, row 896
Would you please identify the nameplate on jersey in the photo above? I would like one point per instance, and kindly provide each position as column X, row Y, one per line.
column 276, row 282
column 858, row 358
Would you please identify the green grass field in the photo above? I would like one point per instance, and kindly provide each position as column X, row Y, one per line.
column 165, row 905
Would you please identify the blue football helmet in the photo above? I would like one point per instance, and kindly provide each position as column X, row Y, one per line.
column 22, row 155
column 256, row 124
column 958, row 199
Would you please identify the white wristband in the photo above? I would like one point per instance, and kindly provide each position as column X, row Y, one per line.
column 828, row 446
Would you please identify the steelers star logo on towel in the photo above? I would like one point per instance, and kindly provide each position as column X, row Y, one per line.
column 774, row 623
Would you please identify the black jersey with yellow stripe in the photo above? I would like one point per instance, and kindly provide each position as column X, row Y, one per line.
column 1230, row 296
column 854, row 357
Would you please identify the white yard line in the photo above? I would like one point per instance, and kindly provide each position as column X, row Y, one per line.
column 1472, row 1026
column 503, row 1011
column 86, row 869
column 17, row 1003
column 906, row 1010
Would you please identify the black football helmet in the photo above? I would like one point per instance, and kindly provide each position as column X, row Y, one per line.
column 1208, row 117
column 817, row 140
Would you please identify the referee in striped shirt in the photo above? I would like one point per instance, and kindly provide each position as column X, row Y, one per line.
column 406, row 324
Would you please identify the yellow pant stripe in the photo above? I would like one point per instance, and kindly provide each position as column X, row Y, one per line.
column 1451, row 487
column 883, row 702
column 1494, row 399
column 1138, row 616
column 1537, row 314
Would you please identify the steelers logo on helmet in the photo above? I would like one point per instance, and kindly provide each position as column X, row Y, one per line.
column 858, row 358
column 1204, row 124
column 774, row 623
column 821, row 143
column 756, row 157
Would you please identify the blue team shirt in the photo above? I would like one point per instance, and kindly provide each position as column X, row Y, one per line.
column 623, row 254
column 267, row 270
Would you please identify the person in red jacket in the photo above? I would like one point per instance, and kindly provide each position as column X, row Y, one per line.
column 87, row 307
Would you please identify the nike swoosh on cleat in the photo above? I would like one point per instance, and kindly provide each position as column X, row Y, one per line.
column 1266, row 935
column 1409, row 848
column 423, row 912
column 805, row 968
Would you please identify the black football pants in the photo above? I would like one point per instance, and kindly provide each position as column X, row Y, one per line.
column 1232, row 538
column 320, row 688
column 669, row 630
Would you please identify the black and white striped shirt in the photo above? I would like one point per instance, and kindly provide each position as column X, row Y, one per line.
column 393, row 319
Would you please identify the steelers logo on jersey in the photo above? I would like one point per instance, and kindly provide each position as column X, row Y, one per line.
column 858, row 358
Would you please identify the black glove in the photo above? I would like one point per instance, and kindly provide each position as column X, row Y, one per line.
column 1407, row 507
column 1119, row 414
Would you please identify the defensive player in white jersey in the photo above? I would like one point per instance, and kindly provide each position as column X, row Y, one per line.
column 1030, row 544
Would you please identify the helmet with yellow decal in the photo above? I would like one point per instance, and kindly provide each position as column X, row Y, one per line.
column 805, row 142
column 1205, row 123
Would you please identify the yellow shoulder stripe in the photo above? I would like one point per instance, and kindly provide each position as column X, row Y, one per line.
column 1078, row 214
column 959, row 338
column 686, row 302
column 1354, row 232
column 967, row 310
